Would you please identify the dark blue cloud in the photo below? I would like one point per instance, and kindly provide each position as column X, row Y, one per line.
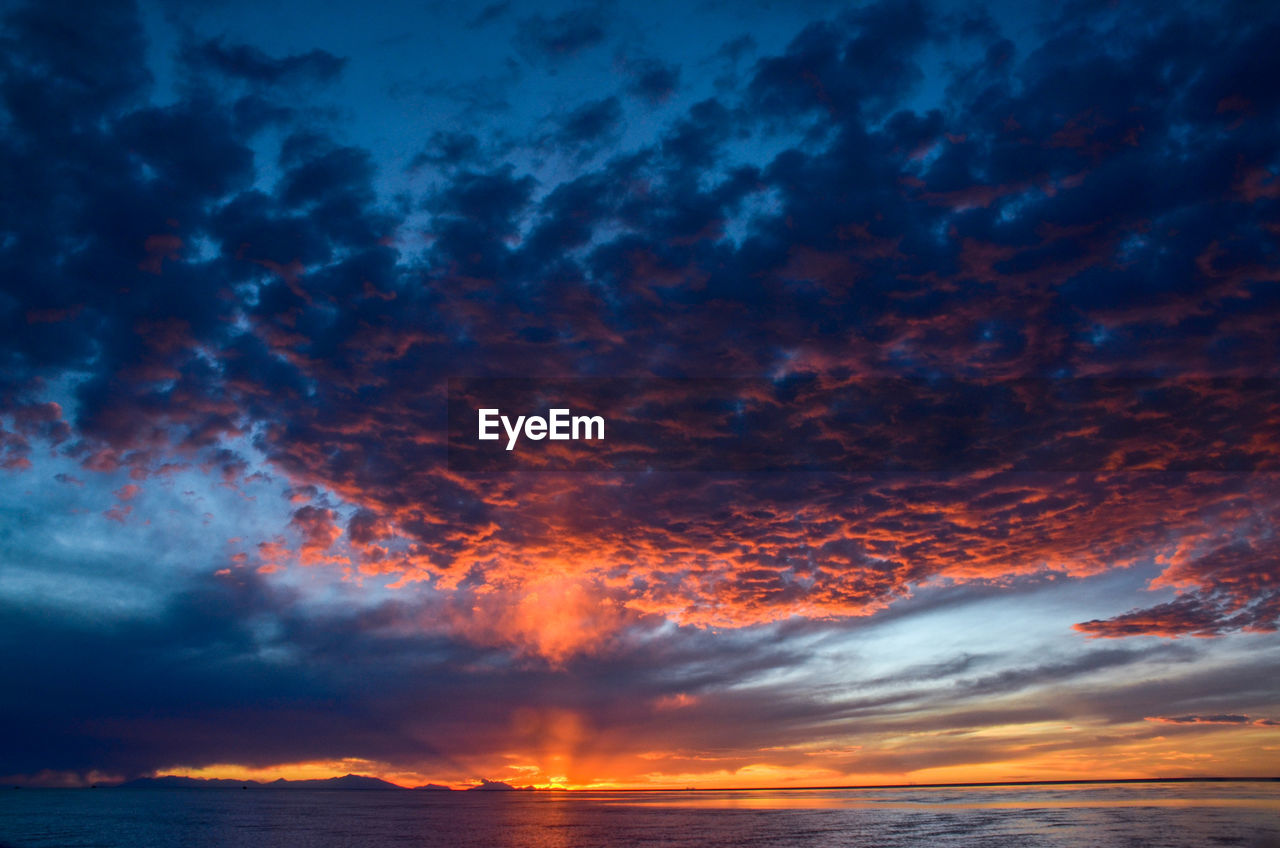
column 450, row 149
column 553, row 38
column 652, row 79
column 589, row 125
column 248, row 63
column 490, row 13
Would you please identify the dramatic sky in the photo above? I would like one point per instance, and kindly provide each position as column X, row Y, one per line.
column 1027, row 255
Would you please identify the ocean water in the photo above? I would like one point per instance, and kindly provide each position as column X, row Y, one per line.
column 1193, row 815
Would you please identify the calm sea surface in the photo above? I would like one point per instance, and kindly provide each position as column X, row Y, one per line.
column 1098, row 816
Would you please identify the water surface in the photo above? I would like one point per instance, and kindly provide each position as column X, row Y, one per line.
column 1172, row 815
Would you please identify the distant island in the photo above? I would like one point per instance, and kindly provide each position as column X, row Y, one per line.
column 169, row 781
column 492, row 786
column 349, row 781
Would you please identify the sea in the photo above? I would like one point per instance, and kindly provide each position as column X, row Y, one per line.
column 1110, row 815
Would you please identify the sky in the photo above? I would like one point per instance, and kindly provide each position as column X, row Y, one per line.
column 946, row 335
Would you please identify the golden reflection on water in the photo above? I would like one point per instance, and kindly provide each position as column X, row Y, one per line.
column 1029, row 798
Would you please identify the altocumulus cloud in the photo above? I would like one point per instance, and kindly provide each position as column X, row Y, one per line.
column 217, row 283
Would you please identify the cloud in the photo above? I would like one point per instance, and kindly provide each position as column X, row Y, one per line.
column 249, row 64
column 450, row 149
column 805, row 230
column 90, row 70
column 1226, row 719
column 590, row 126
column 651, row 79
column 1225, row 588
column 829, row 67
column 490, row 13
column 550, row 39
column 318, row 530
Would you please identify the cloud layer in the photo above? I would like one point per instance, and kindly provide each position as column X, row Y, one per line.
column 203, row 275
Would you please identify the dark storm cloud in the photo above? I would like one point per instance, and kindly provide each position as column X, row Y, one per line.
column 1102, row 203
column 190, row 683
column 231, row 668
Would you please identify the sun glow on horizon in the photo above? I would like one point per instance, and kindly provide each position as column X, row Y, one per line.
column 1038, row 756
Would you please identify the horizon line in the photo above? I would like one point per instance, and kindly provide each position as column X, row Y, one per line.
column 830, row 787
